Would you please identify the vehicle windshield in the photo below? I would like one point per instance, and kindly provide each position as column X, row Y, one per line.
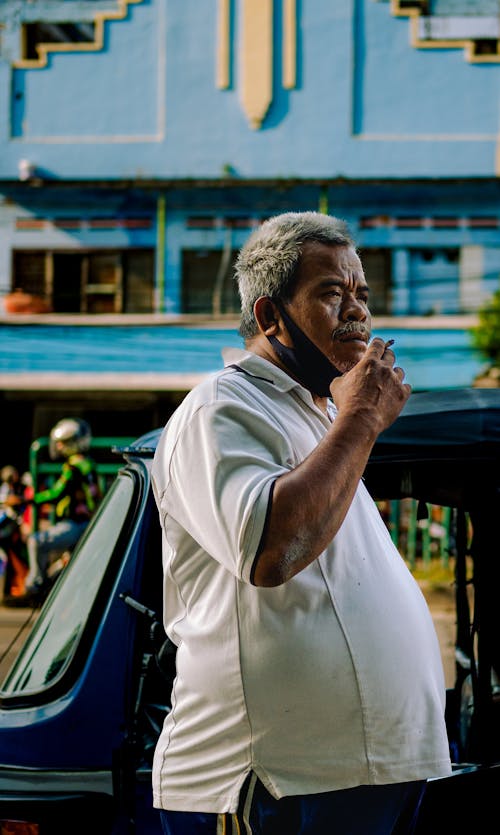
column 55, row 636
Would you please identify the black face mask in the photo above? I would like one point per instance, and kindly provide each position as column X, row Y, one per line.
column 306, row 362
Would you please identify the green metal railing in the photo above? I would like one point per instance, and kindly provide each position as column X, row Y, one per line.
column 419, row 530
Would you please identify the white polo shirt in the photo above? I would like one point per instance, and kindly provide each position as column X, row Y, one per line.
column 330, row 681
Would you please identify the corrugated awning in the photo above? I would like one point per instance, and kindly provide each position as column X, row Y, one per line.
column 157, row 357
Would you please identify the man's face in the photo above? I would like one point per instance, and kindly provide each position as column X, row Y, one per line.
column 330, row 302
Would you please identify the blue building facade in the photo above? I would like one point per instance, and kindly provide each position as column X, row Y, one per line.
column 142, row 140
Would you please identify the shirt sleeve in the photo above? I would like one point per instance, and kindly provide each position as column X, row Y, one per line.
column 58, row 488
column 218, row 473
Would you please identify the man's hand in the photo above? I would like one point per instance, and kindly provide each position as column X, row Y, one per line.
column 310, row 502
column 374, row 389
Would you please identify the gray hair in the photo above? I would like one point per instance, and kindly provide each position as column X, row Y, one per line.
column 267, row 263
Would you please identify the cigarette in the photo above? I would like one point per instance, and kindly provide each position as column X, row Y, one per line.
column 389, row 343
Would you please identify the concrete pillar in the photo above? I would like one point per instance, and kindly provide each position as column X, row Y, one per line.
column 401, row 283
column 471, row 269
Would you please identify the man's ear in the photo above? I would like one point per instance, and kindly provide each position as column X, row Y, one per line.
column 267, row 315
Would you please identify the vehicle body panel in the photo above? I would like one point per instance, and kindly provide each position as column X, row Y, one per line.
column 78, row 730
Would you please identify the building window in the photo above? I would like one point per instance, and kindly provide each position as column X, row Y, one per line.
column 99, row 281
column 486, row 46
column 434, row 281
column 421, row 6
column 29, row 273
column 44, row 32
column 377, row 266
column 208, row 284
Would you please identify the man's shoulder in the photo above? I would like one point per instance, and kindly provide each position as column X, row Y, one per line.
column 247, row 381
column 82, row 463
column 243, row 382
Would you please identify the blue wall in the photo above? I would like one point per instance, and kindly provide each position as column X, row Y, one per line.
column 143, row 145
column 365, row 104
column 401, row 139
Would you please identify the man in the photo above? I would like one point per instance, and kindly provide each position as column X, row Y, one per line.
column 75, row 494
column 309, row 695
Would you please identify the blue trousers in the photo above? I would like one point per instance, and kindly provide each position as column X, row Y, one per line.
column 365, row 810
column 59, row 537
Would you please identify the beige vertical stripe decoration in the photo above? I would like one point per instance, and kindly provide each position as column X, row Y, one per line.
column 256, row 59
column 223, row 76
column 289, row 44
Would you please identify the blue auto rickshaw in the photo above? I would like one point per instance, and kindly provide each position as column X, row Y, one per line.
column 83, row 703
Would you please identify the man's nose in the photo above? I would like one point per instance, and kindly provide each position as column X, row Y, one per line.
column 353, row 309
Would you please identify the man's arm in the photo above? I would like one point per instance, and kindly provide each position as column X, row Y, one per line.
column 309, row 503
column 51, row 494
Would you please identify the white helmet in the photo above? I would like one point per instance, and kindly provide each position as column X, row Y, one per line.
column 69, row 436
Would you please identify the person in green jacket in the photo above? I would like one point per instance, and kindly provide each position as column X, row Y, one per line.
column 75, row 496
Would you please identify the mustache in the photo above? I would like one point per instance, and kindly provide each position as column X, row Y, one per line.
column 351, row 327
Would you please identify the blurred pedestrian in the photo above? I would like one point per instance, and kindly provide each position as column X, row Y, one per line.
column 12, row 541
column 10, row 484
column 75, row 496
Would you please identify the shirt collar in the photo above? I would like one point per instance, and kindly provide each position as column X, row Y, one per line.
column 265, row 370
